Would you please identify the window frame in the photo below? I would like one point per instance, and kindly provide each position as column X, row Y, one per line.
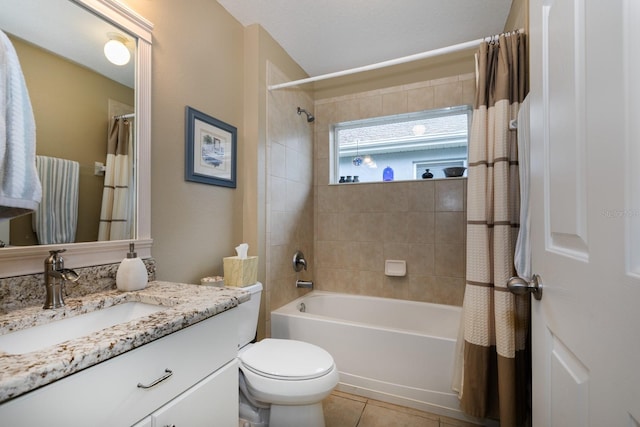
column 334, row 172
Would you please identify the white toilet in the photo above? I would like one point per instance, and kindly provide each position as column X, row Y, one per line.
column 282, row 382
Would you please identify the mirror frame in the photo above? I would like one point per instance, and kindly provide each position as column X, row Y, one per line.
column 20, row 260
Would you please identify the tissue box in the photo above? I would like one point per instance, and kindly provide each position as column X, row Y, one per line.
column 240, row 272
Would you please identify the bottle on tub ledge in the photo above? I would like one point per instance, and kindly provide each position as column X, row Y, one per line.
column 132, row 274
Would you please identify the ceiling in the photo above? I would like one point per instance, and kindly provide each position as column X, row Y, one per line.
column 322, row 36
column 325, row 36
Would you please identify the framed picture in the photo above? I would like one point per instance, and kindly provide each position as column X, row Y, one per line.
column 210, row 150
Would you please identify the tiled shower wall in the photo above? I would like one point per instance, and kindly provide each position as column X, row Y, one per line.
column 359, row 226
column 289, row 191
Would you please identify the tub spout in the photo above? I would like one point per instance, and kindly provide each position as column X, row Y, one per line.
column 304, row 284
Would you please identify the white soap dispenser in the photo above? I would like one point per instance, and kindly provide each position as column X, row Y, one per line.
column 132, row 274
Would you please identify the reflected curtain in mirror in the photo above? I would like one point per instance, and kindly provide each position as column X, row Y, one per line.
column 116, row 214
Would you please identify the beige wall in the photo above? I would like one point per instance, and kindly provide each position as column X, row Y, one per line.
column 359, row 226
column 204, row 58
column 198, row 61
column 439, row 67
column 232, row 88
column 70, row 106
column 265, row 112
column 518, row 16
column 289, row 191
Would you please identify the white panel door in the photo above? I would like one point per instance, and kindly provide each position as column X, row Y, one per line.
column 585, row 189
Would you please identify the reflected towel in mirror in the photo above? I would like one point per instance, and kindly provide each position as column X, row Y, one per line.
column 56, row 219
column 20, row 189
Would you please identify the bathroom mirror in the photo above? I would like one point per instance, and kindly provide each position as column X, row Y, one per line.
column 74, row 91
column 113, row 15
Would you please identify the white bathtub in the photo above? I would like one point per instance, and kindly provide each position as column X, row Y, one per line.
column 397, row 351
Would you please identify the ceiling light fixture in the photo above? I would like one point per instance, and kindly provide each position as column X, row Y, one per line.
column 115, row 49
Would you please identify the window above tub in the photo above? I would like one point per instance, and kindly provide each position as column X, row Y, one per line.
column 406, row 143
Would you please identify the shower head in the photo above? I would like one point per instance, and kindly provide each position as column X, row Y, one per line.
column 310, row 117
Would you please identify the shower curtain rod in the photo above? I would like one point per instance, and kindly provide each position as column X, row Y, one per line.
column 397, row 61
column 125, row 116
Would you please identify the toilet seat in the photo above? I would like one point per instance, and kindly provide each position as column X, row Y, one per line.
column 286, row 360
column 287, row 372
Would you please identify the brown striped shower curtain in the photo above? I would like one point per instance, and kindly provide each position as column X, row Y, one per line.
column 495, row 379
column 117, row 207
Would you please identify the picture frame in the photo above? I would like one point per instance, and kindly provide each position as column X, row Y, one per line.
column 210, row 150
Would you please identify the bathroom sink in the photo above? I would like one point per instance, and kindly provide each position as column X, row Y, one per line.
column 56, row 332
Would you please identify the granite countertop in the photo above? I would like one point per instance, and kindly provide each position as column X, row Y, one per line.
column 187, row 305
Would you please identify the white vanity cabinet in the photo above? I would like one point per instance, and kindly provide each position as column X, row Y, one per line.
column 200, row 385
column 208, row 403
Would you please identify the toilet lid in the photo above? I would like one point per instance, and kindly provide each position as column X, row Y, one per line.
column 287, row 359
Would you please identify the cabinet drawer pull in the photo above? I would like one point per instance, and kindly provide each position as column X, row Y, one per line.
column 168, row 373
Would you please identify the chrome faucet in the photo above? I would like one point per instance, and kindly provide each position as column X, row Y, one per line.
column 304, row 284
column 55, row 276
column 298, row 264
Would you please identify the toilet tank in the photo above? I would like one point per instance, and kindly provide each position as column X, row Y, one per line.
column 249, row 312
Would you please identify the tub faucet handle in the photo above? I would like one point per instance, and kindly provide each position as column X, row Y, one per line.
column 299, row 262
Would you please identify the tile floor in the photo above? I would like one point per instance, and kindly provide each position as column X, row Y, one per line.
column 347, row 410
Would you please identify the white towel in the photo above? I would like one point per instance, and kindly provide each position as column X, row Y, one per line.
column 56, row 219
column 20, row 190
column 522, row 257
